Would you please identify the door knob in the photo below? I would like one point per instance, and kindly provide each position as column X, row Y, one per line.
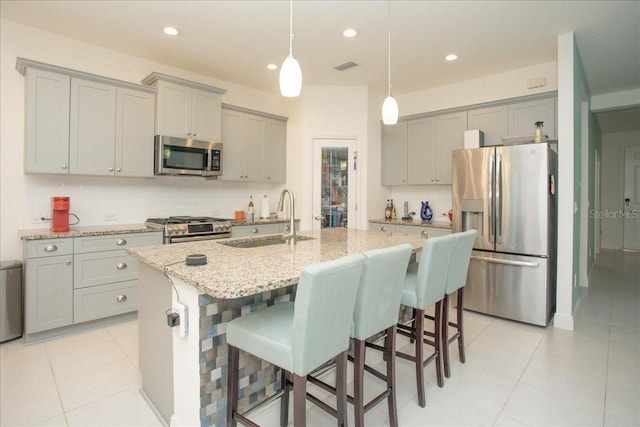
column 318, row 217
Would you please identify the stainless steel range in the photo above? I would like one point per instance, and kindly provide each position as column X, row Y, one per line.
column 178, row 229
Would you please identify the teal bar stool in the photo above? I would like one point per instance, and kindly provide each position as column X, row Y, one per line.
column 300, row 336
column 375, row 312
column 424, row 286
column 456, row 279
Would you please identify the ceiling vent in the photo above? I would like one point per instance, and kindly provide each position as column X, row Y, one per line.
column 345, row 66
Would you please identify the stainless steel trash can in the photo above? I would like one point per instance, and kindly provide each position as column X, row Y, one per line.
column 11, row 318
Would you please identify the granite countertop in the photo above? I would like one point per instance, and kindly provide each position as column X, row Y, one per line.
column 414, row 223
column 237, row 272
column 92, row 230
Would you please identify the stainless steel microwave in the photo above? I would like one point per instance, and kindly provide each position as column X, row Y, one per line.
column 181, row 156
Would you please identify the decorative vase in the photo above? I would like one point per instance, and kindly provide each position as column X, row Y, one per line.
column 426, row 213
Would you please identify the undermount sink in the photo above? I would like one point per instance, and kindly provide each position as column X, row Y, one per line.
column 261, row 241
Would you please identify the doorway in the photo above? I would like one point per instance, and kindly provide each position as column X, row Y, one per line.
column 631, row 202
column 334, row 183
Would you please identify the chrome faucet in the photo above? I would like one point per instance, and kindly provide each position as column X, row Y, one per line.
column 291, row 236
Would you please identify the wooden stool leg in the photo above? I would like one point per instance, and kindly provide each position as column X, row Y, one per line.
column 438, row 344
column 445, row 336
column 358, row 381
column 459, row 311
column 284, row 400
column 232, row 385
column 341, row 388
column 389, row 350
column 299, row 400
column 418, row 320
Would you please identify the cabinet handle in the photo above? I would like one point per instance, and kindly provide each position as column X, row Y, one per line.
column 68, row 262
column 121, row 242
column 121, row 298
column 383, row 228
column 110, row 169
column 50, row 248
column 254, row 231
column 424, row 233
column 189, row 133
column 194, row 134
column 432, row 179
column 268, row 177
column 121, row 265
column 119, row 170
column 437, row 179
column 64, row 166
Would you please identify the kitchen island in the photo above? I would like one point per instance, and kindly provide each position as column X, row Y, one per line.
column 184, row 377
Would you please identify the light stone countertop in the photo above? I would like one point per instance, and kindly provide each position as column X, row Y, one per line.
column 414, row 223
column 237, row 272
column 75, row 231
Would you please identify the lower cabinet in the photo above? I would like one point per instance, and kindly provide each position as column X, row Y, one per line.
column 410, row 229
column 69, row 281
column 256, row 230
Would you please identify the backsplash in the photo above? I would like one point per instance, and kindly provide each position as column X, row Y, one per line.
column 103, row 200
column 439, row 197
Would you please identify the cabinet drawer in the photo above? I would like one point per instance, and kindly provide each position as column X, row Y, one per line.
column 254, row 230
column 409, row 229
column 99, row 268
column 49, row 247
column 374, row 226
column 105, row 300
column 115, row 241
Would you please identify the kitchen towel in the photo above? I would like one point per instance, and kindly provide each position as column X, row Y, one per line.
column 264, row 208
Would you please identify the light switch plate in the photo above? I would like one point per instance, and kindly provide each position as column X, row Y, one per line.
column 183, row 312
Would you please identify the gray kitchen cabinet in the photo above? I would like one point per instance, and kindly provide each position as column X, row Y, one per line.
column 390, row 228
column 254, row 146
column 186, row 109
column 492, row 121
column 256, row 229
column 276, row 151
column 80, row 123
column 48, row 284
column 523, row 116
column 449, row 136
column 394, row 154
column 46, row 122
column 421, row 150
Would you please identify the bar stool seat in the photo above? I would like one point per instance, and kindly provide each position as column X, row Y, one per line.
column 298, row 337
column 424, row 286
column 456, row 280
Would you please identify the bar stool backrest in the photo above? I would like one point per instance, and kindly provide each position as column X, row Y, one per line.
column 381, row 284
column 432, row 269
column 323, row 311
column 460, row 258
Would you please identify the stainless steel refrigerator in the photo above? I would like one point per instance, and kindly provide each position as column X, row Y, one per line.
column 508, row 194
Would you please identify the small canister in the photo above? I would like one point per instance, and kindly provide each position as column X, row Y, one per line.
column 60, row 214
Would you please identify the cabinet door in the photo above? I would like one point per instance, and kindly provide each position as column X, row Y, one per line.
column 173, row 110
column 421, row 151
column 450, row 136
column 233, row 137
column 256, row 148
column 92, row 128
column 276, row 151
column 134, row 133
column 47, row 122
column 394, row 154
column 48, row 293
column 492, row 121
column 205, row 115
column 524, row 115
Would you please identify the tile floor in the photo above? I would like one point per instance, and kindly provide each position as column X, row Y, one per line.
column 515, row 375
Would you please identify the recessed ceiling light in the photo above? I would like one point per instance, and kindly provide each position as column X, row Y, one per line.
column 171, row 31
column 451, row 57
column 349, row 32
column 272, row 67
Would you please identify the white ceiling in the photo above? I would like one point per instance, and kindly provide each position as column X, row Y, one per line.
column 235, row 40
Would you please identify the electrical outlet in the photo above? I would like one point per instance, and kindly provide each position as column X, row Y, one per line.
column 183, row 316
column 111, row 217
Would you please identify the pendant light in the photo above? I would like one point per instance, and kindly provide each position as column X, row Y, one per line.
column 389, row 106
column 290, row 72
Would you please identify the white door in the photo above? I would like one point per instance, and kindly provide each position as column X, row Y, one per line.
column 334, row 183
column 631, row 210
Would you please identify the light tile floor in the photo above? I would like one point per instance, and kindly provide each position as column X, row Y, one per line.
column 515, row 375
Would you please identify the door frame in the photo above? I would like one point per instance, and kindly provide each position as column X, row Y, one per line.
column 352, row 143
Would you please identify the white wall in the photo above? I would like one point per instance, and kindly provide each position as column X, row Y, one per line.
column 25, row 196
column 612, row 177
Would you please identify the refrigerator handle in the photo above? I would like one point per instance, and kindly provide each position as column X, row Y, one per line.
column 498, row 212
column 491, row 189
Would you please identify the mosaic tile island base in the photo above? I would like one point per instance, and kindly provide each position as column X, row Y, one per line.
column 184, row 378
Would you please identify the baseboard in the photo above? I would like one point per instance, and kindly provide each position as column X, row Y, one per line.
column 153, row 407
column 568, row 322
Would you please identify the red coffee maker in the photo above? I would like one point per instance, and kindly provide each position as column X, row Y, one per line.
column 59, row 214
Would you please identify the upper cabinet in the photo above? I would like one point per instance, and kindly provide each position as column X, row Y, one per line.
column 418, row 151
column 186, row 109
column 514, row 120
column 254, row 146
column 79, row 123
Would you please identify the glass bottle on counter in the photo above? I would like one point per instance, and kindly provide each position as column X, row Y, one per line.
column 251, row 209
column 387, row 210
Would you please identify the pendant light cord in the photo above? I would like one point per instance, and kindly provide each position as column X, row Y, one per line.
column 389, row 42
column 291, row 28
